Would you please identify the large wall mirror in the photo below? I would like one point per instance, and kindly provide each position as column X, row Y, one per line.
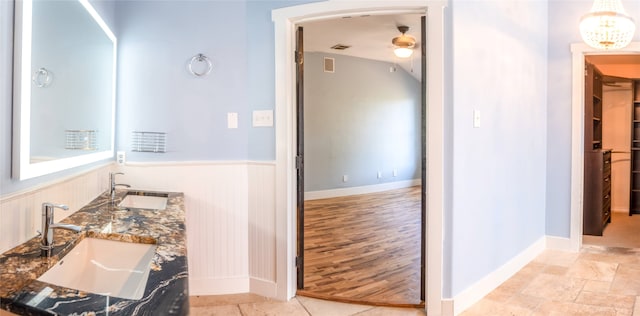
column 64, row 87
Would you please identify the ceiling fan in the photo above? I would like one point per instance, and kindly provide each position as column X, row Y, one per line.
column 403, row 44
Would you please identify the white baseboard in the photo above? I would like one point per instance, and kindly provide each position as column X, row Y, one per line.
column 477, row 291
column 559, row 243
column 263, row 287
column 447, row 307
column 218, row 286
column 325, row 194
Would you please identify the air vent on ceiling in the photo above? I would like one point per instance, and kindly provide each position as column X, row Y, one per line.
column 329, row 64
column 340, row 46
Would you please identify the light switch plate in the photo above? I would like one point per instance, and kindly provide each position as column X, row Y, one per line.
column 232, row 120
column 263, row 118
column 476, row 118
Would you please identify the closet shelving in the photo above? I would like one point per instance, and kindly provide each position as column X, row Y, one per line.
column 597, row 161
column 634, row 197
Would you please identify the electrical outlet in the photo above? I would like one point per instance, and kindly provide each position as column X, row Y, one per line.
column 120, row 157
column 379, row 174
column 395, row 172
column 345, row 178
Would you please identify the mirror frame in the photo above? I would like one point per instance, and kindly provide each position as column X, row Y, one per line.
column 22, row 168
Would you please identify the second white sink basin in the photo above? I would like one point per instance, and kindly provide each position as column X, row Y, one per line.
column 106, row 267
column 144, row 202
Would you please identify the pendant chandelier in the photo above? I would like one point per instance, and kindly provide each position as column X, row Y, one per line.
column 607, row 25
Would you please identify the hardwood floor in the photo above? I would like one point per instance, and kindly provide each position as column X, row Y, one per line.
column 364, row 248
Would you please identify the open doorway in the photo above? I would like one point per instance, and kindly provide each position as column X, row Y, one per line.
column 612, row 94
column 362, row 148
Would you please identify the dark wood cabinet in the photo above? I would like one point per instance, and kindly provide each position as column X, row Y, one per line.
column 597, row 192
column 597, row 162
column 634, row 197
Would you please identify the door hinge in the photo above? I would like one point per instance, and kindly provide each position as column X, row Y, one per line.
column 298, row 162
column 297, row 55
column 298, row 261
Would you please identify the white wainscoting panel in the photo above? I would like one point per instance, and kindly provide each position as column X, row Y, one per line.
column 230, row 206
column 262, row 225
column 21, row 212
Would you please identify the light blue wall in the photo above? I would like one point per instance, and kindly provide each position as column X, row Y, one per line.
column 8, row 185
column 359, row 120
column 156, row 93
column 500, row 69
column 561, row 35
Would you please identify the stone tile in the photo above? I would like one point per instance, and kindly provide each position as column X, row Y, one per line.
column 230, row 299
column 597, row 286
column 553, row 287
column 274, row 308
column 224, row 310
column 488, row 307
column 624, row 312
column 626, row 281
column 526, row 301
column 317, row 307
column 555, row 308
column 609, row 257
column 611, row 300
column 532, row 267
column 555, row 270
column 557, row 258
column 593, row 270
column 393, row 311
column 636, row 307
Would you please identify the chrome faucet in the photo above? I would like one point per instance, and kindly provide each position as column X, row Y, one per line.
column 46, row 242
column 113, row 184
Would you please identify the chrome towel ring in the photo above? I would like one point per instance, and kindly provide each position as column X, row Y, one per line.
column 200, row 59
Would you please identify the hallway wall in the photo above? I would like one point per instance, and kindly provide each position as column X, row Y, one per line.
column 616, row 135
column 500, row 69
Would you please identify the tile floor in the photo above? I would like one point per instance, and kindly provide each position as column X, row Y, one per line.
column 596, row 281
column 254, row 305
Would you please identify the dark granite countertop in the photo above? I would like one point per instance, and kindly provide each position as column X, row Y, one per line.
column 166, row 292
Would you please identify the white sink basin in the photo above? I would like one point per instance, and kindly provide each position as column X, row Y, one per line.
column 144, row 202
column 106, row 267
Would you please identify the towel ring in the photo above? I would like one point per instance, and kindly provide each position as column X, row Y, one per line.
column 41, row 78
column 200, row 58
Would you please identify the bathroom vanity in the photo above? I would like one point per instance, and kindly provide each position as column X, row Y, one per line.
column 166, row 290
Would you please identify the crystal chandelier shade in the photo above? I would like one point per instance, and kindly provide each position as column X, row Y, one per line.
column 607, row 26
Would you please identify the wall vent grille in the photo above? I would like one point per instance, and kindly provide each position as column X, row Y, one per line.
column 150, row 142
column 81, row 139
column 329, row 64
column 340, row 46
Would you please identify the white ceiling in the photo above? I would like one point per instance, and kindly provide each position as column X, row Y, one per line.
column 369, row 37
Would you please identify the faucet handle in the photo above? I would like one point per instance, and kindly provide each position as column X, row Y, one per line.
column 52, row 205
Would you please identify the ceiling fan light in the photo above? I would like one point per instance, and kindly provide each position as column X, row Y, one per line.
column 403, row 52
column 403, row 45
column 607, row 26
